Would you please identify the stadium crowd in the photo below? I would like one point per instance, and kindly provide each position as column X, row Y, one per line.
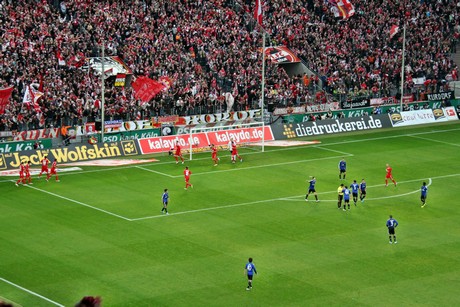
column 208, row 48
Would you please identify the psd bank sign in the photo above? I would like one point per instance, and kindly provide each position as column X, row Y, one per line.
column 331, row 126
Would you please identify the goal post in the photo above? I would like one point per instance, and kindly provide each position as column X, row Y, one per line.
column 249, row 135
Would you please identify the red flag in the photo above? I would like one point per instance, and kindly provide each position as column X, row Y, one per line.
column 394, row 29
column 31, row 97
column 258, row 12
column 145, row 88
column 5, row 94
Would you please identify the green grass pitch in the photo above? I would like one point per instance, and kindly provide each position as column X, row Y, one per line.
column 100, row 230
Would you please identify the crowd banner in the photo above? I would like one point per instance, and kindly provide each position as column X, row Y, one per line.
column 441, row 96
column 425, row 116
column 24, row 145
column 204, row 139
column 330, row 126
column 355, row 103
column 71, row 153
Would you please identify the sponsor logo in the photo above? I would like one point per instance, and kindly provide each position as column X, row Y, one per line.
column 129, row 148
column 396, row 118
column 2, row 162
column 438, row 113
column 330, row 126
column 288, row 131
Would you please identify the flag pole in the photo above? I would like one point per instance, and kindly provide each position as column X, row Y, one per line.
column 263, row 85
column 102, row 93
column 402, row 67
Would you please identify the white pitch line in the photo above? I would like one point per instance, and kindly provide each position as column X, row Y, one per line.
column 156, row 172
column 31, row 292
column 79, row 203
column 432, row 140
column 336, row 151
column 206, row 209
column 290, row 198
column 261, row 166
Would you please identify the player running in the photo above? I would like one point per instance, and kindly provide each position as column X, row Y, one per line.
column 53, row 171
column 44, row 163
column 362, row 190
column 21, row 174
column 389, row 175
column 354, row 191
column 311, row 188
column 28, row 177
column 178, row 153
column 235, row 152
column 214, row 154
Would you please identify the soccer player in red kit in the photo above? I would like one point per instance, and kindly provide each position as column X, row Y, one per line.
column 214, row 154
column 235, row 152
column 53, row 171
column 389, row 175
column 178, row 153
column 27, row 178
column 21, row 174
column 187, row 174
column 45, row 163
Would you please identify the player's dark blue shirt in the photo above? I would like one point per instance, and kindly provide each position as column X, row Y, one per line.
column 362, row 186
column 342, row 165
column 354, row 188
column 424, row 190
column 165, row 197
column 312, row 184
column 392, row 223
column 346, row 194
column 250, row 268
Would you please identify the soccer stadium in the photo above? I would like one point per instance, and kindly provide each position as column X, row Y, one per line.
column 229, row 153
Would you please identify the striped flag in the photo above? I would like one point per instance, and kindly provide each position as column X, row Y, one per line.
column 258, row 12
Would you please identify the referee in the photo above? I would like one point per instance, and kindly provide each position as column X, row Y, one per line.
column 340, row 198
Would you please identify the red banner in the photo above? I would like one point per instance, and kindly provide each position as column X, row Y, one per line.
column 145, row 88
column 5, row 94
column 204, row 139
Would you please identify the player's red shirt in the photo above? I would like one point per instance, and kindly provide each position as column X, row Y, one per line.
column 178, row 153
column 27, row 170
column 21, row 170
column 389, row 169
column 187, row 174
column 214, row 151
column 234, row 149
column 53, row 167
column 45, row 163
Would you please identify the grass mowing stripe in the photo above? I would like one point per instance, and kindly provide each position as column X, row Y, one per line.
column 31, row 292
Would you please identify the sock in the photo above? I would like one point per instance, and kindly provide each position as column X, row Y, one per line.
column 390, row 238
column 316, row 196
column 394, row 238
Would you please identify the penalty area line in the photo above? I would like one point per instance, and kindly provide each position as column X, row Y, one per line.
column 207, row 209
column 31, row 292
column 80, row 203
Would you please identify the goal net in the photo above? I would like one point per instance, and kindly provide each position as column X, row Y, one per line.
column 248, row 135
